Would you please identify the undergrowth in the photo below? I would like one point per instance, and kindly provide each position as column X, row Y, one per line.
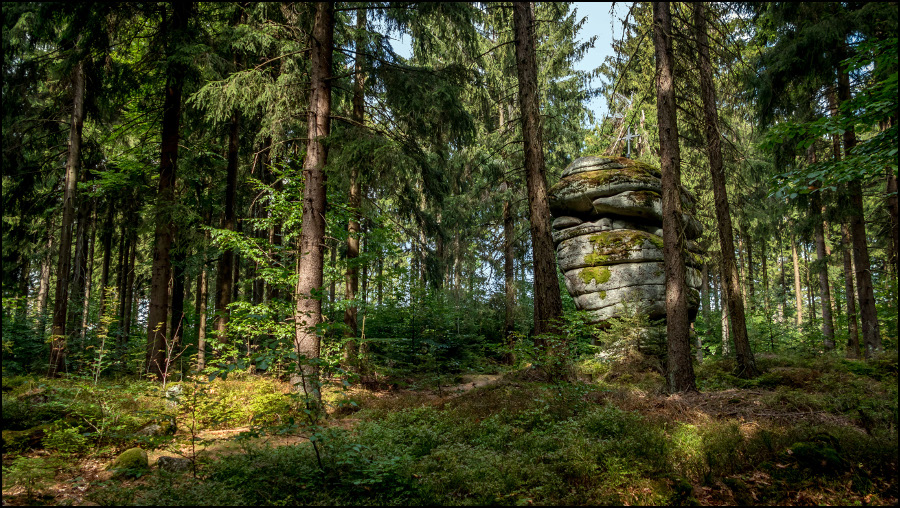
column 818, row 430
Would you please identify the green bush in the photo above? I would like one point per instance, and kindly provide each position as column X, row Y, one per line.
column 65, row 438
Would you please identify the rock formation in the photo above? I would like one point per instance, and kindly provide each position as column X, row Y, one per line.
column 607, row 228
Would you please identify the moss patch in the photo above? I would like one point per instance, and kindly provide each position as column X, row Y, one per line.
column 131, row 462
column 595, row 259
column 599, row 274
column 656, row 241
column 618, row 241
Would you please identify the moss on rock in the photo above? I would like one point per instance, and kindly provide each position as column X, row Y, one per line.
column 599, row 274
column 23, row 440
column 131, row 462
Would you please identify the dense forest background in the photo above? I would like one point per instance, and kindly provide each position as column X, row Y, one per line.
column 202, row 193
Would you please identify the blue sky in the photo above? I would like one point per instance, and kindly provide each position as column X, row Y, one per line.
column 599, row 22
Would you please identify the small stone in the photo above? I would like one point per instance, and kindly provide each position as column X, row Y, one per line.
column 157, row 429
column 173, row 464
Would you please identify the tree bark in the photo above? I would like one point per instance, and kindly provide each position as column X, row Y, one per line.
column 547, row 300
column 73, row 164
column 351, row 277
column 822, row 256
column 679, row 368
column 225, row 271
column 746, row 363
column 853, row 350
column 308, row 311
column 868, row 315
column 164, row 233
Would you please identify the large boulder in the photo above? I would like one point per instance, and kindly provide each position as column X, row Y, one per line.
column 607, row 228
column 131, row 462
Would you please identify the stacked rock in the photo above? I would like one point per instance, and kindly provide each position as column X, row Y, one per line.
column 607, row 228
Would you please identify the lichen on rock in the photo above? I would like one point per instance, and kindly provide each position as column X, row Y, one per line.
column 607, row 230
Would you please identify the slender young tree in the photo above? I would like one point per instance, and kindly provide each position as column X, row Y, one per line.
column 308, row 311
column 745, row 360
column 547, row 300
column 679, row 368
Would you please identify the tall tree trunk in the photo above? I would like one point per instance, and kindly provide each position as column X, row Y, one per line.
column 225, row 272
column 73, row 163
column 798, row 295
column 868, row 316
column 547, row 300
column 746, row 363
column 163, row 236
column 679, row 368
column 351, row 278
column 308, row 311
column 853, row 350
column 822, row 256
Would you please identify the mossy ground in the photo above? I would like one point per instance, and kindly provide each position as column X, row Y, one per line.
column 820, row 431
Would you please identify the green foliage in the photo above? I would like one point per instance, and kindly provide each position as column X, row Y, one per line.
column 862, row 114
column 34, row 474
column 66, row 439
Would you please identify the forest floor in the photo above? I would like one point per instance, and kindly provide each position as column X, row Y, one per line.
column 808, row 431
